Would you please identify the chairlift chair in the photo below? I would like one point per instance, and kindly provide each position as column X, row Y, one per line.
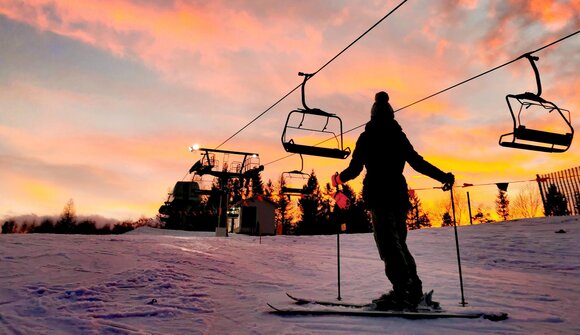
column 526, row 138
column 291, row 145
column 296, row 183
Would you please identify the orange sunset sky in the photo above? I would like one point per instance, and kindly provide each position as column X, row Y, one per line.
column 99, row 100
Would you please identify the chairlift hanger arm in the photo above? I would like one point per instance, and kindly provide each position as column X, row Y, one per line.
column 532, row 60
column 306, row 77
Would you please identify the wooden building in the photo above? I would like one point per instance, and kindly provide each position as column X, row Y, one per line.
column 256, row 217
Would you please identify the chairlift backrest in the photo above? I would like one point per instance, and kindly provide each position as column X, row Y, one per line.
column 295, row 183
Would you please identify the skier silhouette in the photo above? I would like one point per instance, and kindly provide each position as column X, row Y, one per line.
column 383, row 149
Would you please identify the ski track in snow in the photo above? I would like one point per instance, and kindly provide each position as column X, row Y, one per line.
column 153, row 281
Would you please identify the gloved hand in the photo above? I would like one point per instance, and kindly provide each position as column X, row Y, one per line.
column 336, row 180
column 448, row 181
column 341, row 200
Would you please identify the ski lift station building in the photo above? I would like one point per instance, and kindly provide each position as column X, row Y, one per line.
column 256, row 216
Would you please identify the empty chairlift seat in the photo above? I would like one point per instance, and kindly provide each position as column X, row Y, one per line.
column 526, row 105
column 314, row 132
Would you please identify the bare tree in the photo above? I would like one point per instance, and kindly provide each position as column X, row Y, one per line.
column 527, row 203
column 461, row 208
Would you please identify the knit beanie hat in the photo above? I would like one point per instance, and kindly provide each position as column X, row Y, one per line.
column 381, row 104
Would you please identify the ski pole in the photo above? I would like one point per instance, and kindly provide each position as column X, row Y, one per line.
column 463, row 303
column 336, row 217
column 338, row 257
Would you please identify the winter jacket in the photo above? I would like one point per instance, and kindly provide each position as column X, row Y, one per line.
column 383, row 148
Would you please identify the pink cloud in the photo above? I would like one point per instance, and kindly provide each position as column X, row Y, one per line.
column 239, row 55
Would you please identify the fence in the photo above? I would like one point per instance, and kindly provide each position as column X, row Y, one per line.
column 566, row 183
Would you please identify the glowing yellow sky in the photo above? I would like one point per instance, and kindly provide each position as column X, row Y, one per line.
column 100, row 100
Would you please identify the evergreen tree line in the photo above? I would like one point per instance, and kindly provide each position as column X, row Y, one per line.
column 318, row 214
column 314, row 212
column 69, row 223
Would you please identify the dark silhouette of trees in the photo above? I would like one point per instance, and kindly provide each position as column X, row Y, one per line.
column 480, row 217
column 269, row 190
column 8, row 227
column 67, row 221
column 502, row 204
column 121, row 228
column 556, row 203
column 282, row 215
column 256, row 185
column 46, row 226
column 416, row 217
column 315, row 213
column 356, row 218
column 360, row 219
column 447, row 220
column 85, row 226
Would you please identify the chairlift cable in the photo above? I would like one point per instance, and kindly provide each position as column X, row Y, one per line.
column 259, row 116
column 320, row 69
column 487, row 184
column 361, row 36
column 455, row 85
column 486, row 72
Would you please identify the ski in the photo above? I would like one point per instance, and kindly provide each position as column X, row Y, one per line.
column 304, row 301
column 375, row 313
column 426, row 304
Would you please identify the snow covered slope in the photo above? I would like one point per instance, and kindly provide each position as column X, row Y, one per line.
column 154, row 281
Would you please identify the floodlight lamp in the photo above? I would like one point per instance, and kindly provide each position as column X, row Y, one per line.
column 194, row 147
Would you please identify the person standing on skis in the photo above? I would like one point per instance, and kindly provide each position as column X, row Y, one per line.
column 383, row 149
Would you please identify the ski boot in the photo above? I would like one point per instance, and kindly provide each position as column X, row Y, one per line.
column 427, row 302
column 394, row 301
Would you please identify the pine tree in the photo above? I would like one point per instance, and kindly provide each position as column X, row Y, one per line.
column 359, row 219
column 283, row 217
column 308, row 206
column 314, row 213
column 86, row 227
column 8, row 227
column 67, row 221
column 337, row 217
column 326, row 213
column 416, row 218
column 257, row 184
column 502, row 205
column 447, row 220
column 269, row 190
column 46, row 226
column 556, row 203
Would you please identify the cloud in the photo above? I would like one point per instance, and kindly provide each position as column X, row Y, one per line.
column 503, row 30
column 101, row 99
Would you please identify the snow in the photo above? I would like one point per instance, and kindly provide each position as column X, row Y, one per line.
column 153, row 281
